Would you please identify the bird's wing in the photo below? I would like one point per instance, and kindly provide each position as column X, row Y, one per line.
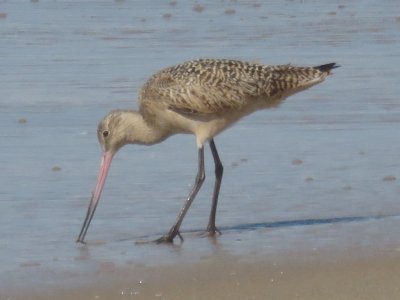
column 204, row 98
column 206, row 87
column 205, row 94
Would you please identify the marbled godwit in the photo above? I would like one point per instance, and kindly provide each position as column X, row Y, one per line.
column 201, row 97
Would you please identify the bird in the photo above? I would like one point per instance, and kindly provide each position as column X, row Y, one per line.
column 201, row 97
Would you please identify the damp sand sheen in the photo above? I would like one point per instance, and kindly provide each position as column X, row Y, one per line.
column 308, row 206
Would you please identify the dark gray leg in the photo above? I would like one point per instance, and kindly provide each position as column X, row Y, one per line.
column 219, row 170
column 174, row 231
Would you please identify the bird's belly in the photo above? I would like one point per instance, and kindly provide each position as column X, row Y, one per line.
column 206, row 130
column 207, row 127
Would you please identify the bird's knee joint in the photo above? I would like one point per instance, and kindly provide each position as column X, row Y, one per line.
column 200, row 178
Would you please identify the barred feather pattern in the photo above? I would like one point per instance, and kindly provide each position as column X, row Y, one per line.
column 215, row 86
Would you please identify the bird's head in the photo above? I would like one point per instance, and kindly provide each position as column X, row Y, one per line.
column 112, row 133
column 116, row 129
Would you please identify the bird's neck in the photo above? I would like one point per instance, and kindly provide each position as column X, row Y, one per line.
column 140, row 131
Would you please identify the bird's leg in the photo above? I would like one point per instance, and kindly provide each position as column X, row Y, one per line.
column 219, row 170
column 174, row 231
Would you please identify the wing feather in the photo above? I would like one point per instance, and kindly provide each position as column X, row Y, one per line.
column 207, row 90
column 209, row 87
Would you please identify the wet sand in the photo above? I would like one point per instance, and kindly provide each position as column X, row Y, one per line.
column 372, row 275
column 354, row 258
column 309, row 205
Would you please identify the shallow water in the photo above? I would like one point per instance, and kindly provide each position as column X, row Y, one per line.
column 319, row 172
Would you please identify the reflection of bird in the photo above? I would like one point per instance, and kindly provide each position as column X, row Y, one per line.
column 201, row 97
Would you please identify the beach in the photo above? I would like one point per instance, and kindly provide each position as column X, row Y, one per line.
column 372, row 275
column 309, row 202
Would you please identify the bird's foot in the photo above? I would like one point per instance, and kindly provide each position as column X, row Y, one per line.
column 211, row 231
column 169, row 237
column 80, row 241
column 165, row 239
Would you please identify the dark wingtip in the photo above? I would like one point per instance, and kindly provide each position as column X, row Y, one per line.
column 327, row 67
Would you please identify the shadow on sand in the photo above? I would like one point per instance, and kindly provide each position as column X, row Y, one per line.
column 285, row 224
column 302, row 222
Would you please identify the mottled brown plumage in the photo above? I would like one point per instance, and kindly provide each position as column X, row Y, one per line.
column 200, row 97
column 210, row 86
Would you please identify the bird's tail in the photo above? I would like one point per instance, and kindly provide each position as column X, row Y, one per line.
column 326, row 67
column 289, row 79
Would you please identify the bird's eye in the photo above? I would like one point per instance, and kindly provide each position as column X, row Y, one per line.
column 105, row 133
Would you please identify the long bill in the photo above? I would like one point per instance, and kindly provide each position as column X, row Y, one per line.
column 101, row 179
